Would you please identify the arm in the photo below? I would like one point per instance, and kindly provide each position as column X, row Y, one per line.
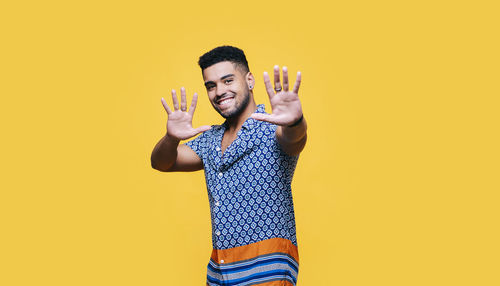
column 292, row 139
column 168, row 155
column 291, row 132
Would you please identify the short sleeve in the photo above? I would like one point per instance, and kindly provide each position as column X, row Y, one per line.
column 199, row 144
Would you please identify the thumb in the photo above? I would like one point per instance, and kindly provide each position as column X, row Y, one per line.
column 202, row 129
column 262, row 117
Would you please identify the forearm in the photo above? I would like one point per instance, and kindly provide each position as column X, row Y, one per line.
column 292, row 139
column 164, row 153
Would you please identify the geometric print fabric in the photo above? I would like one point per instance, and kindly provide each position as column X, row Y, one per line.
column 249, row 185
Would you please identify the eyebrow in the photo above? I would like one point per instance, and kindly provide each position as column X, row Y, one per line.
column 222, row 78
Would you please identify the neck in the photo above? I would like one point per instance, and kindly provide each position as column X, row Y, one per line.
column 234, row 123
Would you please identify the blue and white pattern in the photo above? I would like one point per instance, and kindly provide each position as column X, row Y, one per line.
column 249, row 186
column 265, row 268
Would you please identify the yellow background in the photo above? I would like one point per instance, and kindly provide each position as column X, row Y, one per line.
column 398, row 184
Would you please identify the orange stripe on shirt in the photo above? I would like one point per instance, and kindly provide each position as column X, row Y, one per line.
column 253, row 250
column 276, row 283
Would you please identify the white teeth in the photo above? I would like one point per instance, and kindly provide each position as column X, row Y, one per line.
column 225, row 101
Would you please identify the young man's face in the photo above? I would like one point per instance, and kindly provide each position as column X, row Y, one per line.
column 228, row 88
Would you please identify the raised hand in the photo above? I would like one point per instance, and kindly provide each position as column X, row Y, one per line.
column 179, row 123
column 285, row 104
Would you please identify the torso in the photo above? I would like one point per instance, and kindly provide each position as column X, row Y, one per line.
column 251, row 205
column 227, row 140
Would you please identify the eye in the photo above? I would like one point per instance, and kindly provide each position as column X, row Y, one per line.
column 228, row 80
column 210, row 87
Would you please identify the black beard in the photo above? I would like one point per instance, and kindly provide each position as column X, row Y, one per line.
column 239, row 109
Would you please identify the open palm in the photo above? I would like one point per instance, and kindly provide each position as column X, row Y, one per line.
column 285, row 104
column 179, row 123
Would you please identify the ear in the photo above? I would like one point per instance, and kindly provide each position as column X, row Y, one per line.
column 250, row 80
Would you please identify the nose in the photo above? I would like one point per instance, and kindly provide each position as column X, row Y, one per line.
column 220, row 90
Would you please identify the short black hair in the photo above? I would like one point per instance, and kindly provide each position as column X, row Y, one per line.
column 222, row 54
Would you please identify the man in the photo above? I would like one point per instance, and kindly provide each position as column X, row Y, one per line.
column 249, row 162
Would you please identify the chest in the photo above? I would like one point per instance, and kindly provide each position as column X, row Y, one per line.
column 227, row 139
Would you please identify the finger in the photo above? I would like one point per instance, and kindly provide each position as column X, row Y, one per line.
column 285, row 78
column 183, row 99
column 277, row 84
column 297, row 83
column 165, row 105
column 263, row 117
column 192, row 108
column 269, row 87
column 174, row 100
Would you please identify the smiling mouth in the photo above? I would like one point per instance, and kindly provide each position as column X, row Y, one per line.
column 225, row 100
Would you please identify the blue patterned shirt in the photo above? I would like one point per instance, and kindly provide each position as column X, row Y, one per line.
column 249, row 191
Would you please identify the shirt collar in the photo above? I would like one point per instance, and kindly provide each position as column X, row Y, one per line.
column 250, row 122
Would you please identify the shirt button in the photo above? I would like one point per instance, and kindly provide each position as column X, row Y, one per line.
column 218, row 149
column 217, row 232
column 222, row 261
column 220, row 175
column 217, row 203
